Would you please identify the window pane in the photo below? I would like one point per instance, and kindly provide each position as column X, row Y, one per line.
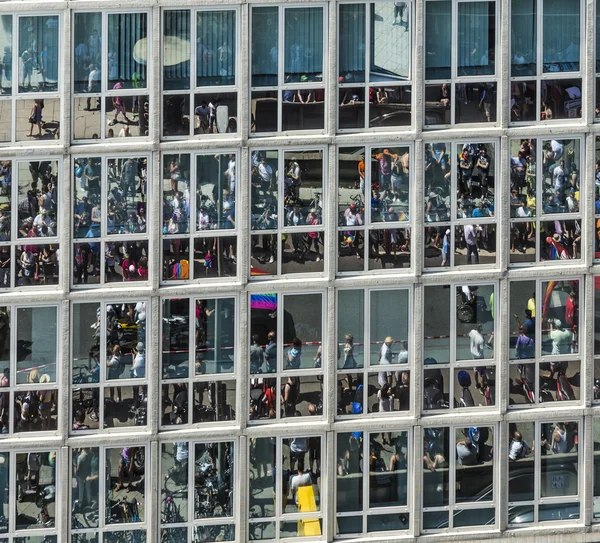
column 127, row 50
column 521, row 462
column 263, row 461
column 176, row 50
column 39, row 467
column 215, row 60
column 36, row 344
column 304, row 44
column 349, row 472
column 216, row 176
column 436, row 475
column 389, row 311
column 436, row 324
column 38, row 54
column 561, row 177
column 523, row 27
column 390, row 41
column 388, row 481
column 560, row 311
column 559, row 459
column 215, row 335
column 352, row 42
column 561, row 36
column 475, row 321
column 125, row 480
column 265, row 53
column 214, row 466
column 126, row 341
column 350, row 314
column 474, row 465
column 438, row 192
column 6, row 37
column 87, row 217
column 476, row 38
column 87, row 29
column 304, row 454
column 438, row 31
column 302, row 322
column 85, row 492
column 175, row 338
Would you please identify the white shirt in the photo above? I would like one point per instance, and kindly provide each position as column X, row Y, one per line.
column 557, row 149
column 470, row 236
column 385, row 358
column 477, row 344
column 385, row 404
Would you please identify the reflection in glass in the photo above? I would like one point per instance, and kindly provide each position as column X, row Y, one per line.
column 176, row 49
column 216, row 48
column 438, row 37
column 477, row 38
column 38, row 54
column 523, row 38
column 265, row 53
column 562, row 38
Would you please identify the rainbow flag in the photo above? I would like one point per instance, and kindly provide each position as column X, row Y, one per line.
column 263, row 301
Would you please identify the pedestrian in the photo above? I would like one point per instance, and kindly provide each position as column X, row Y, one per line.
column 470, row 232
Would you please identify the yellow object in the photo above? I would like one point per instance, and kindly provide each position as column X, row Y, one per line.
column 307, row 503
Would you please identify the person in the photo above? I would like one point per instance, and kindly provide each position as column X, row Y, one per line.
column 82, row 472
column 302, row 478
column 119, row 104
column 518, row 448
column 483, row 168
column 470, row 233
column 466, row 452
column 438, row 461
column 385, row 357
column 289, row 396
column 560, row 443
column 270, row 353
column 349, row 360
column 294, row 354
column 477, row 342
column 487, row 100
column 399, row 10
column 256, row 355
column 35, row 118
column 139, row 362
column 446, row 248
column 561, row 338
column 125, row 468
column 525, row 346
column 386, row 399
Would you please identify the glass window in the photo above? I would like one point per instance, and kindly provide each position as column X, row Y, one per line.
column 545, row 70
column 287, row 63
column 460, row 66
column 596, row 509
column 30, row 81
column 386, row 181
column 109, row 375
column 460, row 198
column 544, row 341
column 203, row 498
column 367, row 339
column 288, row 211
column 286, row 503
column 116, row 478
column 36, row 481
column 209, row 216
column 550, row 450
column 110, row 199
column 33, row 188
column 110, row 75
column 211, row 322
column 373, row 482
column 545, row 213
column 378, row 69
column 287, row 343
column 199, row 83
column 28, row 369
column 459, row 477
column 459, row 327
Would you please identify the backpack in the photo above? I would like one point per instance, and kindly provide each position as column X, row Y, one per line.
column 464, row 379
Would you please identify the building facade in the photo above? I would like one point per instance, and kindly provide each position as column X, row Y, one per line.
column 210, row 243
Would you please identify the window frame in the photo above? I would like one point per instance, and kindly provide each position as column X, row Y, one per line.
column 540, row 215
column 281, row 373
column 195, row 234
column 105, row 238
column 368, row 368
column 15, row 96
column 454, row 365
column 454, row 506
column 542, row 76
column 282, row 228
column 194, row 90
column 281, row 86
column 454, row 222
column 193, row 378
column 104, row 384
column 538, row 500
column 105, row 528
column 365, row 85
column 367, row 510
column 192, row 523
column 368, row 225
column 455, row 79
column 279, row 517
column 540, row 358
column 17, row 241
column 105, row 93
